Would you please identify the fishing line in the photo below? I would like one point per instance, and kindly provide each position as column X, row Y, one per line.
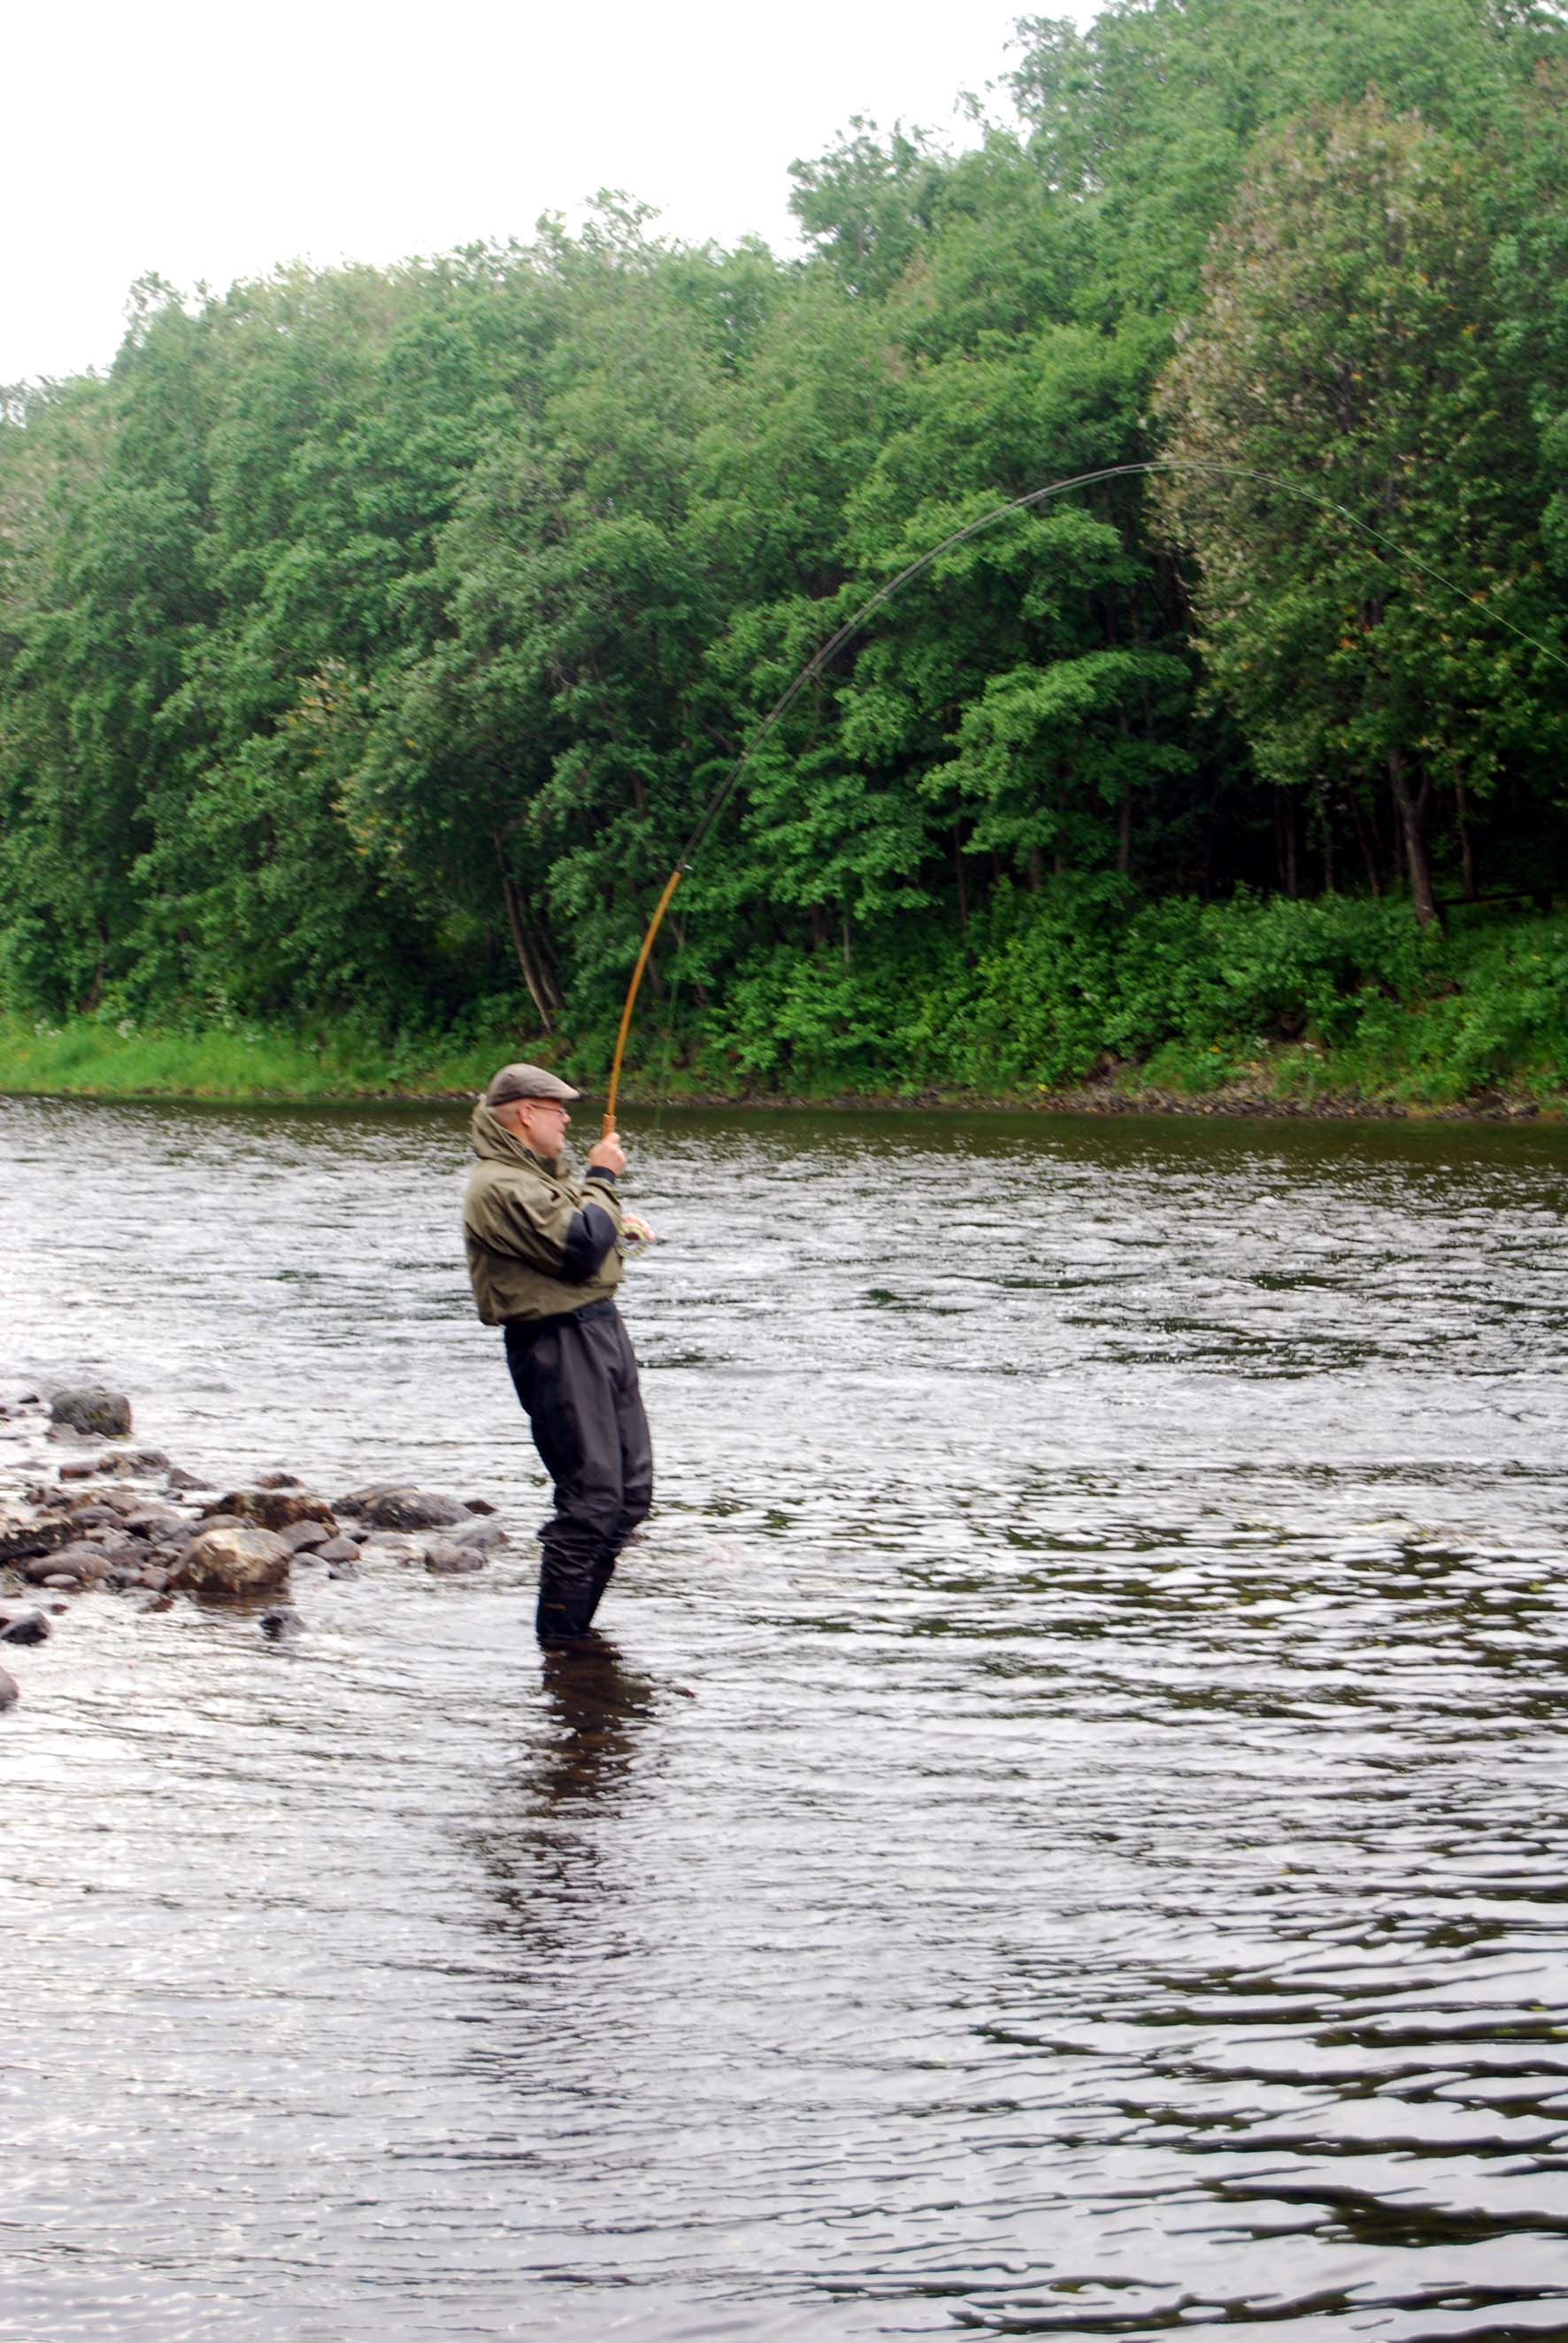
column 852, row 625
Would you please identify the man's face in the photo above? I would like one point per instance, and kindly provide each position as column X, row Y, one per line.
column 539, row 1123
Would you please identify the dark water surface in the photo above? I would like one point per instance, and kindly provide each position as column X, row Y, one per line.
column 1069, row 1839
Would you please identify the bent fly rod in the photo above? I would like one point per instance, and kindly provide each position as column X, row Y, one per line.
column 852, row 625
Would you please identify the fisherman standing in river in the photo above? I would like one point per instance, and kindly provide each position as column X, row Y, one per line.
column 544, row 1255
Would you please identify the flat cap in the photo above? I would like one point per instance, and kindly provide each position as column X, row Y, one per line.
column 527, row 1083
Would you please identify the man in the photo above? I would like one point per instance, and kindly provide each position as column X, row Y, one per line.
column 544, row 1256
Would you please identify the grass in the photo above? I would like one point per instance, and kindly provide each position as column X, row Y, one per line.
column 86, row 1058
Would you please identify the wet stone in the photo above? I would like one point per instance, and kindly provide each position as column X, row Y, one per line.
column 241, row 1561
column 94, row 1409
column 282, row 1624
column 178, row 1478
column 406, row 1509
column 9, row 1692
column 480, row 1537
column 23, row 1535
column 155, row 1521
column 31, row 1627
column 337, row 1549
column 448, row 1560
column 71, row 1560
column 298, row 1535
column 273, row 1509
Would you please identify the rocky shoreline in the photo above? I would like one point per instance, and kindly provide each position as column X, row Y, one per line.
column 100, row 1516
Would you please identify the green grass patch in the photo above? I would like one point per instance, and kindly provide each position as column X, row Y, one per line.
column 86, row 1058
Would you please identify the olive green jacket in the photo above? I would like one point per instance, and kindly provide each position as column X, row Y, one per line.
column 538, row 1241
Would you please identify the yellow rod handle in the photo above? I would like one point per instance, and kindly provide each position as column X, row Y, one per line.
column 653, row 927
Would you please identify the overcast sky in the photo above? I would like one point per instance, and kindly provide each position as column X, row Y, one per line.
column 209, row 143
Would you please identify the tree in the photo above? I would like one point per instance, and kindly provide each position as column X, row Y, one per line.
column 1345, row 368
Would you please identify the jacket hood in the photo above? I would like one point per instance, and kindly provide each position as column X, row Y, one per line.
column 493, row 1142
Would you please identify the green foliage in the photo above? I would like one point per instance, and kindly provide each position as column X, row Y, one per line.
column 372, row 641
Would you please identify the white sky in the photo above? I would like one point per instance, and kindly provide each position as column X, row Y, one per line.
column 210, row 142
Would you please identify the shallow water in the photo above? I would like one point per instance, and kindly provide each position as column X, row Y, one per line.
column 1067, row 1838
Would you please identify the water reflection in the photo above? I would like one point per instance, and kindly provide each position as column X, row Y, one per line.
column 542, row 1840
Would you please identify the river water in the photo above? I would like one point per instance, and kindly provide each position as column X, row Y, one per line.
column 1066, row 1836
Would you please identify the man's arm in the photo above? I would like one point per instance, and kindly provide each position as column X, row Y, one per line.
column 591, row 1232
column 534, row 1221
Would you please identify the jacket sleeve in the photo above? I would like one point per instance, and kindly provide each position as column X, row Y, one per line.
column 539, row 1223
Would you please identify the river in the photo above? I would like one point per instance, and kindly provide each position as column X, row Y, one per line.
column 1067, row 1836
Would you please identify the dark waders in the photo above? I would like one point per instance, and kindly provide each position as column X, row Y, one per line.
column 577, row 1379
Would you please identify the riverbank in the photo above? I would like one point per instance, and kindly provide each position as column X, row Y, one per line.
column 1066, row 1002
column 82, row 1059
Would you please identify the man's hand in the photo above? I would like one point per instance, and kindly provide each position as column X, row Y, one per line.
column 607, row 1155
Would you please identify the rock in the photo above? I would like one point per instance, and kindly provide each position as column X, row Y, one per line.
column 115, row 1544
column 343, row 1570
column 178, row 1478
column 282, row 1624
column 80, row 1469
column 406, row 1509
column 300, row 1534
column 154, row 1578
column 64, row 1580
column 279, row 1480
column 79, row 1562
column 447, row 1560
column 32, row 1627
column 25, row 1533
column 155, row 1521
column 337, row 1549
column 9, row 1695
column 76, row 1558
column 120, row 1502
column 92, row 1408
column 481, row 1537
column 477, row 1505
column 274, row 1508
column 240, row 1561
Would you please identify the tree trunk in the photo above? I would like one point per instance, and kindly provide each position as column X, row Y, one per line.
column 534, row 975
column 1466, row 843
column 962, row 883
column 1412, row 824
column 1035, row 870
